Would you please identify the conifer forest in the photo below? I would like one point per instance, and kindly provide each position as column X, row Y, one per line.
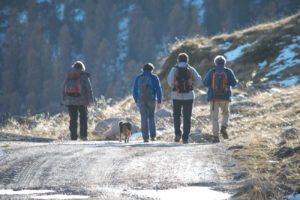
column 41, row 39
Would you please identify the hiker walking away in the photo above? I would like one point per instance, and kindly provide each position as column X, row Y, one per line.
column 146, row 92
column 219, row 82
column 182, row 78
column 77, row 95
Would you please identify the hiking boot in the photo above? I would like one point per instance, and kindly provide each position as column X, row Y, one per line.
column 146, row 141
column 185, row 142
column 224, row 132
column 153, row 139
column 216, row 139
column 177, row 138
column 84, row 139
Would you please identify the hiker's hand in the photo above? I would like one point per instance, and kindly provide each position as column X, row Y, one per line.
column 158, row 106
column 137, row 104
column 91, row 104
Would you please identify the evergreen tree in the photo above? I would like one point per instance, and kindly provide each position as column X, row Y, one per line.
column 177, row 23
column 48, row 94
column 10, row 70
column 64, row 60
column 34, row 68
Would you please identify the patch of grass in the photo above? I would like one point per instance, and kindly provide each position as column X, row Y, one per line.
column 4, row 146
column 261, row 137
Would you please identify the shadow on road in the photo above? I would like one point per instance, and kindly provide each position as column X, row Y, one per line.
column 21, row 138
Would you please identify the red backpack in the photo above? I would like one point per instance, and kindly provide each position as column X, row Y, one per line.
column 182, row 80
column 72, row 83
column 220, row 83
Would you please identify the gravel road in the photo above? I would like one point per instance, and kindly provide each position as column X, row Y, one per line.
column 110, row 170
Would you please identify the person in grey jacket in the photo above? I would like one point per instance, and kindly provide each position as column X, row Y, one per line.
column 79, row 103
column 183, row 99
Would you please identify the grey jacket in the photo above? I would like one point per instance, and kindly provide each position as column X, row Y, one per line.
column 85, row 98
column 196, row 80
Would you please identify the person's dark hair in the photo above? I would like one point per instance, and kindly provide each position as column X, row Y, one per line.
column 79, row 65
column 149, row 67
column 220, row 60
column 183, row 57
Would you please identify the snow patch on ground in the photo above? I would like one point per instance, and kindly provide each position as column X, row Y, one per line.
column 285, row 59
column 159, row 132
column 224, row 46
column 275, row 90
column 292, row 197
column 238, row 52
column 262, row 64
column 191, row 193
column 289, row 82
column 23, row 192
column 295, row 39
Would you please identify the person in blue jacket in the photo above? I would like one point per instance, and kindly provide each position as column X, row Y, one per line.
column 219, row 81
column 147, row 95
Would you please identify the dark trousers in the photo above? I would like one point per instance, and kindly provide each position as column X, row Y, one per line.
column 186, row 107
column 73, row 113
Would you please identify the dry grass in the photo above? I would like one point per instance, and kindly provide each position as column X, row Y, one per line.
column 259, row 130
column 57, row 126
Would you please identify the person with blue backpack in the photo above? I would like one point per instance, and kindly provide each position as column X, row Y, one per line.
column 147, row 95
column 219, row 81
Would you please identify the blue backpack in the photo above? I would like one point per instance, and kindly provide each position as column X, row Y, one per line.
column 145, row 88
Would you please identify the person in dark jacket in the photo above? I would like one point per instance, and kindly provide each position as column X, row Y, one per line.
column 183, row 101
column 78, row 103
column 219, row 99
column 147, row 104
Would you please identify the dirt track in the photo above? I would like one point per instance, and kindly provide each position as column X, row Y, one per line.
column 112, row 170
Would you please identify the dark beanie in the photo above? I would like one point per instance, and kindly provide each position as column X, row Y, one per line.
column 148, row 67
column 79, row 65
column 183, row 57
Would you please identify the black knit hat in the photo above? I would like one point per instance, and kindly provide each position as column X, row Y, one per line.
column 149, row 67
column 79, row 65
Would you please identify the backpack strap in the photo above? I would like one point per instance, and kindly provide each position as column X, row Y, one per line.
column 175, row 80
column 190, row 78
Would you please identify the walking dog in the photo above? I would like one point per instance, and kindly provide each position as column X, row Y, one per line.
column 125, row 129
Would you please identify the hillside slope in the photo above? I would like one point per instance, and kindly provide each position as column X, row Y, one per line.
column 267, row 53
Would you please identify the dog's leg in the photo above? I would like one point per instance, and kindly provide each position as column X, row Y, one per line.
column 125, row 136
column 129, row 135
column 120, row 137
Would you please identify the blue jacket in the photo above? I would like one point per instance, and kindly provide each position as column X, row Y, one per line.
column 156, row 87
column 207, row 81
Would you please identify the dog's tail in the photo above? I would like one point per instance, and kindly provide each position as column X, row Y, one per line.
column 120, row 125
